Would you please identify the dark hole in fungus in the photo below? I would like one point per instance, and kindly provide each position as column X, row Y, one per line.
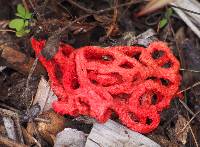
column 148, row 121
column 122, row 96
column 127, row 65
column 58, row 72
column 75, row 84
column 94, row 82
column 137, row 55
column 154, row 99
column 135, row 78
column 151, row 78
column 84, row 104
column 107, row 58
column 65, row 52
column 133, row 117
column 167, row 65
column 103, row 58
column 157, row 54
column 164, row 82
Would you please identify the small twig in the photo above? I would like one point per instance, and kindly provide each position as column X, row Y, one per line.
column 7, row 30
column 37, row 143
column 58, row 3
column 30, row 1
column 177, row 45
column 190, row 70
column 80, row 7
column 181, row 131
column 104, row 10
column 30, row 136
column 35, row 11
column 195, row 140
column 112, row 26
column 25, row 5
column 54, row 38
column 42, row 120
column 9, row 108
column 119, row 6
column 194, row 85
column 95, row 12
column 58, row 32
column 188, row 109
column 30, row 75
column 71, row 23
column 39, row 139
column 52, row 43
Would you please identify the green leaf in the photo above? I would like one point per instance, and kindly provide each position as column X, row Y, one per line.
column 19, row 15
column 20, row 33
column 26, row 23
column 169, row 13
column 17, row 24
column 28, row 15
column 21, row 10
column 27, row 31
column 163, row 23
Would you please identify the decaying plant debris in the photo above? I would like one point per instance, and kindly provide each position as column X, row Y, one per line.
column 26, row 118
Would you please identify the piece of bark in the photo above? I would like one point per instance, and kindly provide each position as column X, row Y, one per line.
column 19, row 61
column 113, row 134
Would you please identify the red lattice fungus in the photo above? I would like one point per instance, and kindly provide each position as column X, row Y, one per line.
column 134, row 82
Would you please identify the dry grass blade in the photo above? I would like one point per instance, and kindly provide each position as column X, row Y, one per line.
column 153, row 5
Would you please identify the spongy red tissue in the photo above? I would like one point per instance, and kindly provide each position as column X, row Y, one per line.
column 135, row 83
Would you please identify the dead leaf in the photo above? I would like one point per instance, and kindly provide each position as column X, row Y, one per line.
column 180, row 35
column 180, row 124
column 44, row 96
column 48, row 131
column 153, row 5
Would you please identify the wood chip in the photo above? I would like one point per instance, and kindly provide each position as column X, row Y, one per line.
column 19, row 61
column 70, row 138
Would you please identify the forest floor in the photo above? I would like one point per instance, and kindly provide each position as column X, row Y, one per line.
column 83, row 23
